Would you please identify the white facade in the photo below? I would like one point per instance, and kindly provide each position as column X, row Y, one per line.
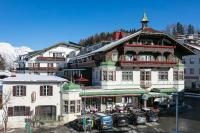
column 32, row 98
column 135, row 81
column 46, row 61
column 192, row 69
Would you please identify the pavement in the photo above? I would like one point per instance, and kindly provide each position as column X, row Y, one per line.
column 189, row 122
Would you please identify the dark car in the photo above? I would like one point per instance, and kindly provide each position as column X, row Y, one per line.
column 152, row 116
column 120, row 120
column 78, row 124
column 138, row 117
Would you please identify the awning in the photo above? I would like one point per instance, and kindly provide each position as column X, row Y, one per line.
column 154, row 94
column 112, row 92
column 164, row 90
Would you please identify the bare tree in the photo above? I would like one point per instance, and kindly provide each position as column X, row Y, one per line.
column 5, row 100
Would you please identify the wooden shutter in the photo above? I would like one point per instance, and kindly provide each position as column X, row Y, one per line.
column 24, row 91
column 14, row 90
column 50, row 90
column 41, row 90
column 10, row 111
column 27, row 111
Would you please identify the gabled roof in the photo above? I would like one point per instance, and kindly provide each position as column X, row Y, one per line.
column 69, row 44
column 147, row 31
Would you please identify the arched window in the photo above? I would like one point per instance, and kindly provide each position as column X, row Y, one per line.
column 115, row 56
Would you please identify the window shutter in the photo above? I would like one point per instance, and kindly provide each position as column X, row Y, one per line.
column 41, row 90
column 10, row 111
column 14, row 90
column 24, row 90
column 27, row 111
column 50, row 90
column 100, row 75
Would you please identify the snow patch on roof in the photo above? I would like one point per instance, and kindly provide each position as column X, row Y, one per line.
column 33, row 78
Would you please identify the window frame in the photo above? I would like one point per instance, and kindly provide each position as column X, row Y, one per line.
column 163, row 76
column 127, row 75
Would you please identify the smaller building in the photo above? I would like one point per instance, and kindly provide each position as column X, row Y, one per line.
column 192, row 68
column 32, row 97
column 48, row 60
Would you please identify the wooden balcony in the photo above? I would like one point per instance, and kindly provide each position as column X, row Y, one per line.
column 131, row 64
column 50, row 58
column 148, row 48
column 145, row 84
column 90, row 63
column 46, row 69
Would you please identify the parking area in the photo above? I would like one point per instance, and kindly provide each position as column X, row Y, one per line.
column 188, row 123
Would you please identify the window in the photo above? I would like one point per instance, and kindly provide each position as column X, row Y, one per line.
column 78, row 106
column 145, row 75
column 36, row 73
column 127, row 75
column 72, row 106
column 29, row 64
column 66, row 106
column 163, row 75
column 104, row 75
column 129, row 56
column 199, row 70
column 18, row 111
column 183, row 61
column 199, row 60
column 191, row 61
column 178, row 75
column 50, row 65
column 46, row 90
column 115, row 56
column 50, row 73
column 36, row 65
column 19, row 90
column 96, row 75
column 191, row 70
column 57, row 54
column 108, row 76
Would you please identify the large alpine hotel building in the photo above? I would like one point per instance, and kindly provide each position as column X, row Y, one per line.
column 142, row 65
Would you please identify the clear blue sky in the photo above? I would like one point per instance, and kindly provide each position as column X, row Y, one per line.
column 41, row 23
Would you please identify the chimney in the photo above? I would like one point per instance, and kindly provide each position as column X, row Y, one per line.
column 117, row 36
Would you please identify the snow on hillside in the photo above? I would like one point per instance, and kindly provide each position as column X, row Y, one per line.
column 11, row 53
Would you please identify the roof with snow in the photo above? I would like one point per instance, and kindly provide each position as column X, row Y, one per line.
column 68, row 44
column 145, row 31
column 33, row 78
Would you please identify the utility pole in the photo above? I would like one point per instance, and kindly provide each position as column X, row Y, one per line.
column 177, row 121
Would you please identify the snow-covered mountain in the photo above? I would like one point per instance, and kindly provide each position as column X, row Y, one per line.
column 11, row 53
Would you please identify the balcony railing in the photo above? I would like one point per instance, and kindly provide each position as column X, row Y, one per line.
column 149, row 48
column 147, row 63
column 145, row 84
column 49, row 69
column 50, row 58
column 90, row 63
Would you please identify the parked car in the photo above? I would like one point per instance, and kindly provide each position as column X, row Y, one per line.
column 120, row 119
column 137, row 117
column 79, row 123
column 102, row 121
